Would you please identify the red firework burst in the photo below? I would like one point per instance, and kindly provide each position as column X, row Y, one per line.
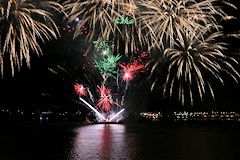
column 105, row 100
column 130, row 70
column 80, row 90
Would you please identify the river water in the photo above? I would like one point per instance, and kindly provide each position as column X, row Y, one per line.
column 214, row 141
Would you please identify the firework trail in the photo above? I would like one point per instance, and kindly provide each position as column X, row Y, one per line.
column 90, row 95
column 124, row 93
column 117, row 114
column 91, row 107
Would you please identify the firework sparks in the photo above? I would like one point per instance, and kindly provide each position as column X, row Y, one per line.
column 80, row 90
column 131, row 9
column 23, row 22
column 103, row 46
column 70, row 27
column 105, row 100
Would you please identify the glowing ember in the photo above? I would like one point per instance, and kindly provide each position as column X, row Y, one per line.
column 80, row 90
column 131, row 9
column 105, row 52
column 127, row 76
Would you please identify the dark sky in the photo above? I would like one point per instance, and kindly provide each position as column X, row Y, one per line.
column 38, row 86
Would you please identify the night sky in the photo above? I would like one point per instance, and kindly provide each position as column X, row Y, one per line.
column 38, row 86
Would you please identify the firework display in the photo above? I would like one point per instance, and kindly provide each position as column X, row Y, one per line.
column 124, row 38
column 187, row 34
column 115, row 74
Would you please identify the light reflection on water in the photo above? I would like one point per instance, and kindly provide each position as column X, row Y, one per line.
column 101, row 141
column 120, row 141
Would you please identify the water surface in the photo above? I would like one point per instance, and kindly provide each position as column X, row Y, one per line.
column 22, row 141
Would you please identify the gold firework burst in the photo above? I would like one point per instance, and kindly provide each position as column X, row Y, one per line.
column 23, row 23
column 195, row 59
column 101, row 17
column 165, row 20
